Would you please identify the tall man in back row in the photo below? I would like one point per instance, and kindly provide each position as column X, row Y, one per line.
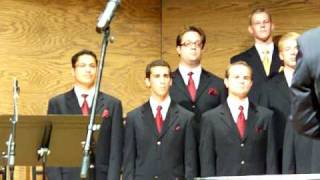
column 263, row 57
column 79, row 101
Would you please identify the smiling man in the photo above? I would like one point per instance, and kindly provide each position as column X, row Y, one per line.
column 159, row 139
column 78, row 100
column 263, row 57
column 237, row 137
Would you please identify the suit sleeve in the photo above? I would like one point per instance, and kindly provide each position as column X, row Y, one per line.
column 272, row 156
column 305, row 107
column 207, row 148
column 190, row 155
column 288, row 160
column 108, row 166
column 129, row 150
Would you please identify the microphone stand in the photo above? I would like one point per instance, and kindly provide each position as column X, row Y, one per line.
column 11, row 145
column 86, row 164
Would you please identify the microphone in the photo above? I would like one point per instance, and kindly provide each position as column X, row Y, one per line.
column 105, row 18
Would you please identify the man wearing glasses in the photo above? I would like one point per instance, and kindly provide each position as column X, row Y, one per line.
column 193, row 87
column 79, row 101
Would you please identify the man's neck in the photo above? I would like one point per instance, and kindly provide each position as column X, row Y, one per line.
column 288, row 70
column 265, row 42
column 159, row 99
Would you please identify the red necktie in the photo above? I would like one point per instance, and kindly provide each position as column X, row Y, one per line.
column 241, row 122
column 191, row 87
column 159, row 119
column 85, row 106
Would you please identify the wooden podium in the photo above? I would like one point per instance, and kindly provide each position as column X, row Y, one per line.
column 61, row 134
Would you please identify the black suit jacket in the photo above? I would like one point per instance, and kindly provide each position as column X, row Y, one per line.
column 305, row 86
column 223, row 153
column 251, row 56
column 294, row 150
column 110, row 140
column 211, row 93
column 168, row 156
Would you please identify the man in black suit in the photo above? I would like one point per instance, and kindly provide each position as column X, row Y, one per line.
column 237, row 137
column 193, row 87
column 159, row 139
column 294, row 150
column 263, row 56
column 78, row 101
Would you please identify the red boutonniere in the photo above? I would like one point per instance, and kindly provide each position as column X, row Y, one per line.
column 213, row 91
column 259, row 130
column 105, row 113
column 177, row 127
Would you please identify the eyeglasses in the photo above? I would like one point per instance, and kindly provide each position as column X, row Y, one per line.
column 197, row 44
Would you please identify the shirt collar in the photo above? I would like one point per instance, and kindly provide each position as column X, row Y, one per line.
column 184, row 70
column 79, row 91
column 164, row 104
column 234, row 107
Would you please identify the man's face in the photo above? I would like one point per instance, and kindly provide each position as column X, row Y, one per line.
column 190, row 50
column 159, row 82
column 85, row 71
column 289, row 52
column 261, row 27
column 239, row 81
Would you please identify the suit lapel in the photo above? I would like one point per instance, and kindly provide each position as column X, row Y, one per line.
column 275, row 63
column 171, row 117
column 250, row 120
column 178, row 81
column 228, row 119
column 258, row 63
column 203, row 84
column 148, row 118
column 283, row 87
column 72, row 103
column 100, row 104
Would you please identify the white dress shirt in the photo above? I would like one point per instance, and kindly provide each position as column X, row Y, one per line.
column 164, row 104
column 261, row 47
column 79, row 93
column 234, row 107
column 196, row 74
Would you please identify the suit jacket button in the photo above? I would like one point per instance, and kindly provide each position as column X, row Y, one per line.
column 159, row 143
column 242, row 162
column 155, row 177
column 193, row 106
column 242, row 145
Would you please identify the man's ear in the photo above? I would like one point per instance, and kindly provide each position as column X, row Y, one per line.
column 250, row 30
column 147, row 82
column 226, row 82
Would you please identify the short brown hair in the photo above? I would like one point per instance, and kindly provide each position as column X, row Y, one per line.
column 194, row 29
column 155, row 63
column 75, row 57
column 259, row 10
column 241, row 62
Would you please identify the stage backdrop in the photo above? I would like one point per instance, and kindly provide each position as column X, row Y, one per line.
column 38, row 38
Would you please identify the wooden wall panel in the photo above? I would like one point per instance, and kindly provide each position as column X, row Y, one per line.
column 38, row 38
column 225, row 23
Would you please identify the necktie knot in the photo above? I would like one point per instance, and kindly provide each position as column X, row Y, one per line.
column 190, row 74
column 265, row 51
column 84, row 96
column 159, row 108
column 241, row 108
